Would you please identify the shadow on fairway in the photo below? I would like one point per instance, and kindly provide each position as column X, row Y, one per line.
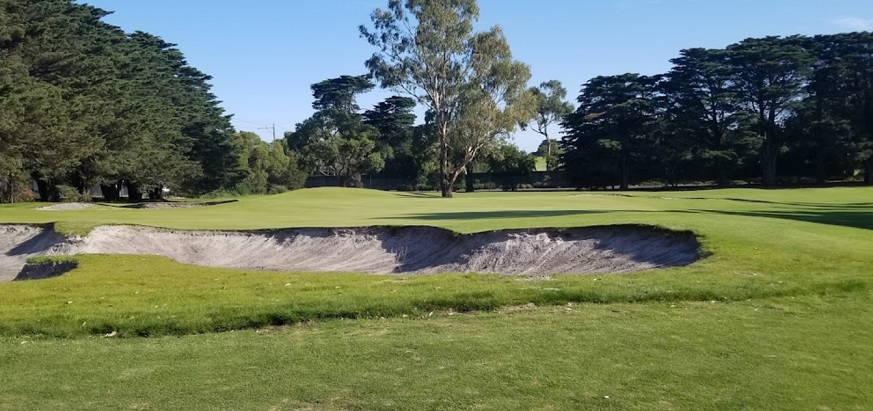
column 475, row 215
column 771, row 202
column 821, row 215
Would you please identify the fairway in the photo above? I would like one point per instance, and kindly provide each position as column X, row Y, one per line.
column 774, row 316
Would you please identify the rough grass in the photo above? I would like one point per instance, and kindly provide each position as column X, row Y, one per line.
column 776, row 318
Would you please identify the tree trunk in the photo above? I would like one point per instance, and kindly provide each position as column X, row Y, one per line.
column 770, row 149
column 769, row 157
column 722, row 177
column 110, row 192
column 133, row 193
column 625, row 173
column 157, row 193
column 868, row 171
column 82, row 185
column 470, row 182
column 820, row 175
column 47, row 191
column 549, row 155
column 445, row 183
column 452, row 179
column 768, row 173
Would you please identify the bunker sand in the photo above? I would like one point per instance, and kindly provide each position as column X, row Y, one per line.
column 377, row 250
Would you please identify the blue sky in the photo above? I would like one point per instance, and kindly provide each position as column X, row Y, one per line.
column 264, row 54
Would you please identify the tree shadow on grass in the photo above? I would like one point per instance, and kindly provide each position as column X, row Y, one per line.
column 821, row 215
column 416, row 194
column 478, row 215
column 781, row 203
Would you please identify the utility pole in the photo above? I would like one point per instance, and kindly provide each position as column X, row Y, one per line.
column 269, row 129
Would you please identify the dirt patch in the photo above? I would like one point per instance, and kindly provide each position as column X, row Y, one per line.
column 406, row 250
column 66, row 207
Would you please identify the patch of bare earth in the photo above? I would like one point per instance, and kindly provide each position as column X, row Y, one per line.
column 406, row 250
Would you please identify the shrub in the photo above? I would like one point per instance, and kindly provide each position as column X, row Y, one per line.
column 276, row 189
column 71, row 194
column 15, row 190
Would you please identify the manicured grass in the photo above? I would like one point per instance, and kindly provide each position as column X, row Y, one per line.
column 776, row 317
column 788, row 354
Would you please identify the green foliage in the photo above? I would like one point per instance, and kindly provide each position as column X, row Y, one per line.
column 346, row 158
column 395, row 122
column 70, row 194
column 472, row 88
column 703, row 119
column 267, row 168
column 340, row 93
column 611, row 131
column 83, row 103
column 511, row 162
column 549, row 151
column 768, row 76
column 336, row 141
column 722, row 114
column 551, row 108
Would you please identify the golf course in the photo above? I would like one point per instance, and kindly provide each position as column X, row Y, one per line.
column 774, row 313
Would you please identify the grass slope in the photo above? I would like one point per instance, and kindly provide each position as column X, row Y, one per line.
column 775, row 318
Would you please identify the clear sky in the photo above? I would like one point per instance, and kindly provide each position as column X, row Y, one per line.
column 264, row 54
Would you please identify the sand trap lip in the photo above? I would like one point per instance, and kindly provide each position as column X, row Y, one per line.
column 378, row 250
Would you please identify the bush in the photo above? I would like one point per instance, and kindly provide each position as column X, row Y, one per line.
column 15, row 190
column 71, row 194
column 277, row 189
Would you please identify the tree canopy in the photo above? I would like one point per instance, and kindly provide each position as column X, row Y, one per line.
column 336, row 141
column 797, row 104
column 430, row 51
column 83, row 103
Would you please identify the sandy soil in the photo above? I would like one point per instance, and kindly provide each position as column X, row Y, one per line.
column 18, row 243
column 409, row 250
column 66, row 207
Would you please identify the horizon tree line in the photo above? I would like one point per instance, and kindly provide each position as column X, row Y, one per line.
column 768, row 109
column 83, row 103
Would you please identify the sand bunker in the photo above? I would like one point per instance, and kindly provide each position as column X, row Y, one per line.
column 66, row 207
column 18, row 243
column 408, row 250
column 176, row 204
